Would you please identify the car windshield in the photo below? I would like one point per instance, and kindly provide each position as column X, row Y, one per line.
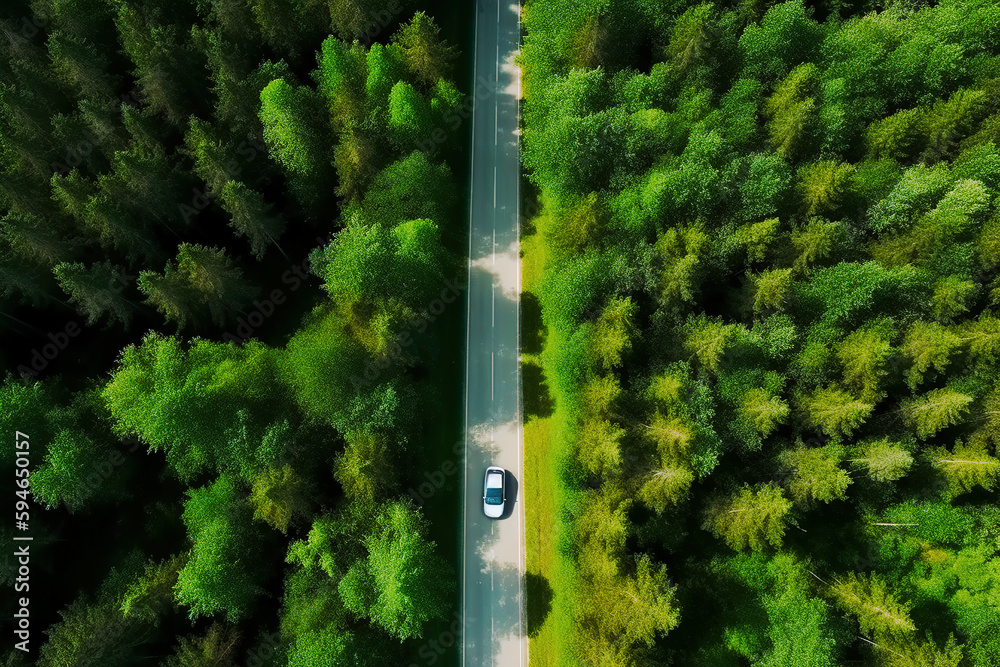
column 493, row 497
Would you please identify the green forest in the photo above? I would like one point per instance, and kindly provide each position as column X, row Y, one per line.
column 224, row 241
column 763, row 258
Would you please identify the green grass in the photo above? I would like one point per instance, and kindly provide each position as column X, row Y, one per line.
column 549, row 612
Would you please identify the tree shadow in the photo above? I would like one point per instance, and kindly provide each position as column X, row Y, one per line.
column 538, row 601
column 511, row 489
column 532, row 328
column 537, row 402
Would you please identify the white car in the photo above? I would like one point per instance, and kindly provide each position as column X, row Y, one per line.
column 494, row 492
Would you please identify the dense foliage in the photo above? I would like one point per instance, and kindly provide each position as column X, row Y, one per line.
column 768, row 239
column 159, row 161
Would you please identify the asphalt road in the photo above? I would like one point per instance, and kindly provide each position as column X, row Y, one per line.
column 494, row 632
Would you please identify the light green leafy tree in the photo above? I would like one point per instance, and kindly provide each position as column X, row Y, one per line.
column 403, row 582
column 298, row 140
column 613, row 332
column 226, row 567
column 815, row 241
column 279, row 496
column 366, row 467
column 822, row 185
column 951, row 298
column 791, row 109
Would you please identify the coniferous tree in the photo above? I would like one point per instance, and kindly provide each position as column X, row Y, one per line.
column 97, row 290
column 751, row 519
column 428, row 57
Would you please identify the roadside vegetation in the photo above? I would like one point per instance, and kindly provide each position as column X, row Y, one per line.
column 766, row 262
column 228, row 489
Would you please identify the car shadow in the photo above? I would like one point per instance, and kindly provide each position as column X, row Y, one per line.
column 510, row 485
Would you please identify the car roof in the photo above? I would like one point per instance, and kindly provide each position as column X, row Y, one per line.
column 491, row 478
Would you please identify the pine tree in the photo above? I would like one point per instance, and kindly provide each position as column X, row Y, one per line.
column 236, row 81
column 251, row 217
column 751, row 519
column 172, row 294
column 214, row 280
column 878, row 611
column 864, row 355
column 834, row 411
column 428, row 57
column 343, row 71
column 692, row 38
column 935, row 410
column 928, row 345
column 763, row 411
column 911, row 653
column 982, row 336
column 883, row 460
column 673, row 438
column 47, row 241
column 167, row 65
column 771, row 289
column 217, row 647
column 791, row 109
column 989, row 432
column 966, row 467
column 707, row 341
column 81, row 67
column 665, row 486
column 816, row 474
column 97, row 290
column 151, row 596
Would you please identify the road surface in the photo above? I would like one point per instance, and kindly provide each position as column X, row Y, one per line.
column 494, row 631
